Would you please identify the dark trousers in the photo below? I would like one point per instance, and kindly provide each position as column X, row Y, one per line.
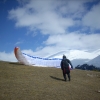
column 68, row 75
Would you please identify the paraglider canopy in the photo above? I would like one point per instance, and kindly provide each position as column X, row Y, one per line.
column 36, row 61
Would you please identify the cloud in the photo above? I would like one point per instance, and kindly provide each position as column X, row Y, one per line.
column 8, row 56
column 49, row 19
column 56, row 16
column 19, row 42
column 74, row 40
column 92, row 18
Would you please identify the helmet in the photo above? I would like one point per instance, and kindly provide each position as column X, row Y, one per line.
column 64, row 57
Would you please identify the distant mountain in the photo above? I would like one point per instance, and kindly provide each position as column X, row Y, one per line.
column 76, row 62
column 95, row 61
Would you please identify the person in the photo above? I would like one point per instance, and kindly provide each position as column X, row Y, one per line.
column 65, row 67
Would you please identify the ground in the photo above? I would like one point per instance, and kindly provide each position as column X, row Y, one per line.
column 20, row 82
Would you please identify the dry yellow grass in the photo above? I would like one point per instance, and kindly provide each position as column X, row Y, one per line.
column 20, row 82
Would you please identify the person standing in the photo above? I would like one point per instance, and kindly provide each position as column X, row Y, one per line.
column 65, row 67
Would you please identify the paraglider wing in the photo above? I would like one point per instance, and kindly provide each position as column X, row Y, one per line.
column 37, row 61
column 20, row 57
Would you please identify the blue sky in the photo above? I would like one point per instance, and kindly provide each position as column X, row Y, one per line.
column 46, row 27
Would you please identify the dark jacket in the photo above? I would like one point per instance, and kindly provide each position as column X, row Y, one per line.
column 67, row 65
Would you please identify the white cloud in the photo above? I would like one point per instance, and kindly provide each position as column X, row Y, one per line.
column 19, row 42
column 74, row 40
column 92, row 18
column 7, row 56
column 53, row 16
column 45, row 18
column 74, row 8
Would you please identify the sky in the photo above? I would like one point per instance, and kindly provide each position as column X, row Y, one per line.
column 50, row 27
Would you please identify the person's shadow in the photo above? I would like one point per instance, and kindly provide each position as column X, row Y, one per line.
column 56, row 78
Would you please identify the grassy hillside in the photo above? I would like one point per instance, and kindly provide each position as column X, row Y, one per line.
column 20, row 82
